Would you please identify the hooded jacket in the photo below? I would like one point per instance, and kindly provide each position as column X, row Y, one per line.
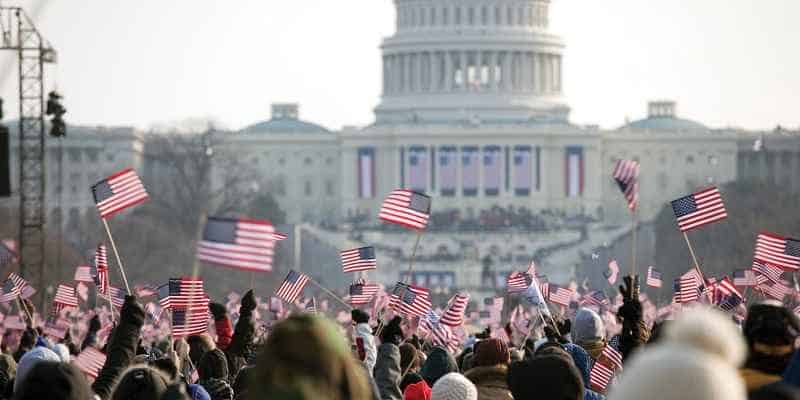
column 363, row 332
column 387, row 371
column 438, row 364
column 121, row 346
column 491, row 381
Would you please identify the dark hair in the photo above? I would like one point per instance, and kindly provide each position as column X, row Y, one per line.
column 771, row 325
column 53, row 380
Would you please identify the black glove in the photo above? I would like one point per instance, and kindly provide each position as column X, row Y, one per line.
column 218, row 311
column 132, row 311
column 392, row 332
column 248, row 301
column 94, row 324
column 631, row 309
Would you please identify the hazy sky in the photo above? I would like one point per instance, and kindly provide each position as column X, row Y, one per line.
column 726, row 62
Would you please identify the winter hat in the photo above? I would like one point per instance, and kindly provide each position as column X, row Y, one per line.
column 213, row 364
column 53, row 380
column 359, row 316
column 588, row 327
column 63, row 352
column 769, row 323
column 439, row 362
column 454, row 386
column 708, row 330
column 30, row 359
column 417, row 391
column 675, row 372
column 197, row 392
column 546, row 377
column 140, row 382
column 409, row 358
column 218, row 389
column 490, row 352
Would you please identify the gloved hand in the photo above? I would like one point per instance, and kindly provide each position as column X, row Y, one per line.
column 631, row 309
column 218, row 311
column 392, row 332
column 132, row 312
column 248, row 301
column 94, row 324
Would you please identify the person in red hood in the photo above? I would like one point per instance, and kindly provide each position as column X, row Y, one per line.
column 417, row 391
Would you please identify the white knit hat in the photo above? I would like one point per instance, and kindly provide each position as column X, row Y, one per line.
column 454, row 386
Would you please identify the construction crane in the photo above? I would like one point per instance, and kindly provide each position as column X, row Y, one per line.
column 19, row 34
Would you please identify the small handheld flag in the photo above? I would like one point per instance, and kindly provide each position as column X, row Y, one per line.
column 90, row 361
column 699, row 209
column 292, row 286
column 410, row 300
column 612, row 273
column 361, row 259
column 118, row 192
column 626, row 174
column 454, row 314
column 653, row 277
column 778, row 251
column 239, row 243
column 362, row 292
column 406, row 208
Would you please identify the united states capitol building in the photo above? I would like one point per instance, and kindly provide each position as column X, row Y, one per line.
column 472, row 112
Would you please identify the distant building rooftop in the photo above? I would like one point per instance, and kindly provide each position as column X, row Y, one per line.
column 661, row 116
column 285, row 119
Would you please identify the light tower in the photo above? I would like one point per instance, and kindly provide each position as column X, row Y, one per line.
column 490, row 60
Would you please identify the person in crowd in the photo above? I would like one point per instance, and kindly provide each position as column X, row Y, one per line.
column 635, row 333
column 545, row 377
column 387, row 372
column 771, row 331
column 306, row 358
column 241, row 345
column 454, row 386
column 213, row 374
column 50, row 379
column 365, row 341
column 439, row 363
column 140, row 382
column 589, row 332
column 489, row 372
column 121, row 347
column 697, row 358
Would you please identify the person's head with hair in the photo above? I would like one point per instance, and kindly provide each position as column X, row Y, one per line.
column 454, row 386
column 546, row 377
column 140, row 382
column 30, row 359
column 775, row 391
column 213, row 364
column 305, row 357
column 490, row 352
column 53, row 380
column 199, row 345
column 439, row 363
column 589, row 332
column 696, row 358
column 771, row 331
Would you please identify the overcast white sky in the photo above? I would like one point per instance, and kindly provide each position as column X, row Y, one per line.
column 726, row 62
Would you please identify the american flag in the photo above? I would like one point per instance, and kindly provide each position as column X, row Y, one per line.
column 410, row 300
column 101, row 264
column 116, row 295
column 65, row 296
column 153, row 311
column 407, row 208
column 610, row 360
column 776, row 290
column 560, row 295
column 518, row 281
column 10, row 291
column 239, row 243
column 311, row 306
column 613, row 272
column 292, row 286
column 181, row 292
column 777, row 251
column 7, row 254
column 597, row 298
column 145, row 291
column 361, row 259
column 744, row 277
column 56, row 327
column 653, row 277
column 726, row 288
column 362, row 292
column 13, row 322
column 768, row 272
column 441, row 335
column 428, row 322
column 688, row 288
column 729, row 303
column 118, row 192
column 454, row 314
column 626, row 173
column 698, row 209
column 187, row 321
column 83, row 273
column 90, row 361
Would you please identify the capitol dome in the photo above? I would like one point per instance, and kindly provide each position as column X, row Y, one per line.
column 452, row 60
column 285, row 119
column 661, row 118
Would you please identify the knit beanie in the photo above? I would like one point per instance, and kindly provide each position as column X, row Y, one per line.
column 53, row 380
column 454, row 386
column 417, row 391
column 439, row 362
column 140, row 382
column 217, row 389
column 588, row 327
column 359, row 316
column 30, row 359
column 213, row 364
column 490, row 352
column 546, row 377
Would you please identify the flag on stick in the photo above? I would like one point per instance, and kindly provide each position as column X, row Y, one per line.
column 454, row 314
column 406, row 208
column 65, row 297
column 7, row 254
column 518, row 281
column 410, row 300
column 101, row 266
column 90, row 361
column 744, row 277
column 699, row 209
column 612, row 273
column 187, row 321
column 83, row 273
column 361, row 259
column 766, row 272
column 653, row 277
column 560, row 295
column 292, row 286
column 239, row 243
column 181, row 292
column 118, row 192
column 626, row 173
column 362, row 292
column 777, row 251
column 10, row 291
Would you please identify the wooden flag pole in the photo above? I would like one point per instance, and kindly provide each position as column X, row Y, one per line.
column 691, row 251
column 252, row 279
column 119, row 260
column 633, row 241
column 335, row 297
column 24, row 309
column 413, row 255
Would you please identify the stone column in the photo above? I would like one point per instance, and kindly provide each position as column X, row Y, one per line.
column 479, row 70
column 434, row 73
column 448, row 71
column 418, row 73
column 537, row 73
column 464, row 61
column 506, row 71
column 492, row 66
column 407, row 73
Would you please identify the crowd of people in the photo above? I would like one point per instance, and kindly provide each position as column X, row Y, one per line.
column 701, row 354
